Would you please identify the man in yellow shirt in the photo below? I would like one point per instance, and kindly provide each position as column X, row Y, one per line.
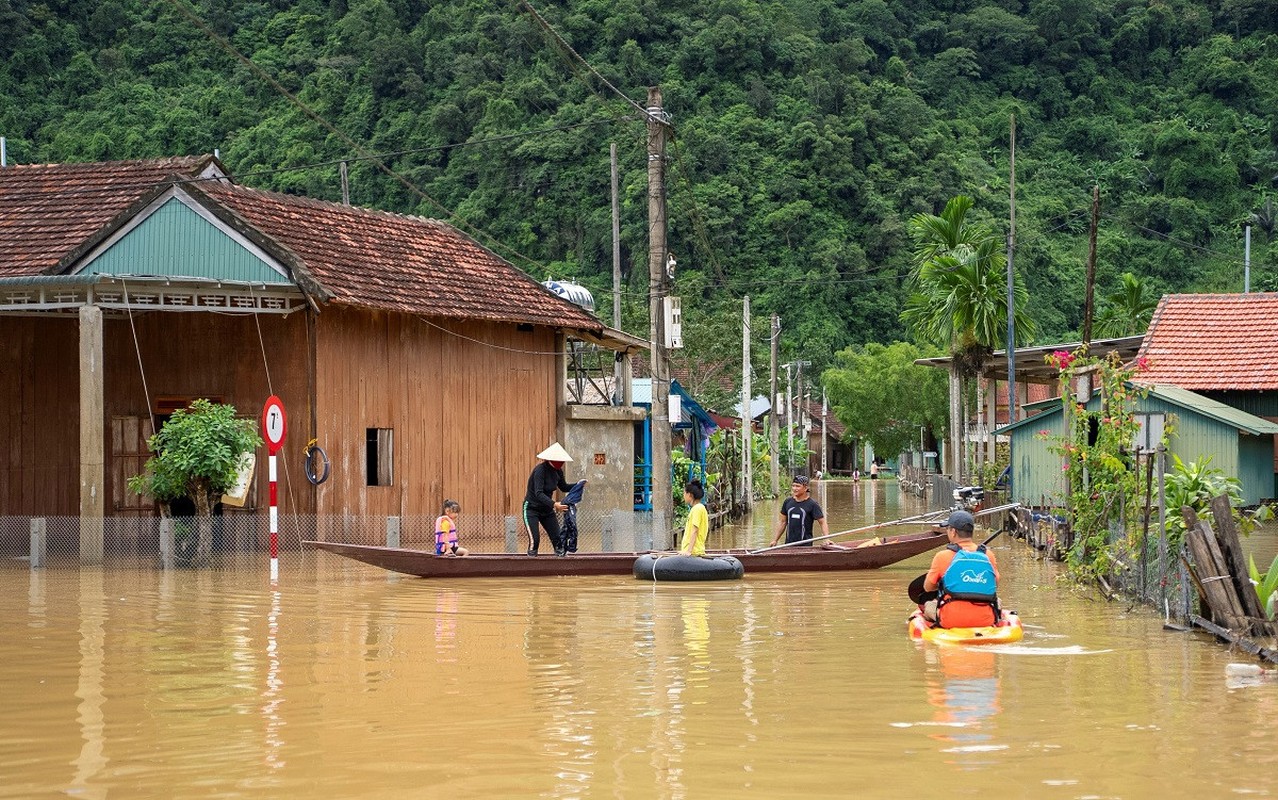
column 698, row 525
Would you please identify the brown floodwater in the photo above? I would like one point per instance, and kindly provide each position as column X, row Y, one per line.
column 344, row 681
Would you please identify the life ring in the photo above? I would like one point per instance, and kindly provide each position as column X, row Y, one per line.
column 657, row 567
column 316, row 464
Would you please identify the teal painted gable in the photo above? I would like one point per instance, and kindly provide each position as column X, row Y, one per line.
column 175, row 241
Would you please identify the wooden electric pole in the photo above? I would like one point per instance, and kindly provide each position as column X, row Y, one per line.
column 747, row 422
column 1089, row 307
column 662, row 499
column 773, row 419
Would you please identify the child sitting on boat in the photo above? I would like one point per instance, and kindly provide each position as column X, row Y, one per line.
column 446, row 531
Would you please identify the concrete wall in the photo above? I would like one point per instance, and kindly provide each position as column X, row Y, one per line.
column 601, row 440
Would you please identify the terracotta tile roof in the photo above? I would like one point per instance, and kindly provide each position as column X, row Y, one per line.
column 352, row 256
column 398, row 263
column 46, row 210
column 1213, row 341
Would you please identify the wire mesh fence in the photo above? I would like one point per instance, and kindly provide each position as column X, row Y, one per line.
column 225, row 540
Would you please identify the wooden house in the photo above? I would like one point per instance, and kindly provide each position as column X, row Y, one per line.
column 426, row 365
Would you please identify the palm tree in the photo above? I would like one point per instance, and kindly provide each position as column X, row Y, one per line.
column 1127, row 312
column 958, row 298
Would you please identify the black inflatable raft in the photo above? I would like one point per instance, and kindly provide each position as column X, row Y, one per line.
column 650, row 567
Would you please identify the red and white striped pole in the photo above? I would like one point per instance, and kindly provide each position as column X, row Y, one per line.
column 274, row 426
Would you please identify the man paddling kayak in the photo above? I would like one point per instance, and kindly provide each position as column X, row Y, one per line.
column 961, row 586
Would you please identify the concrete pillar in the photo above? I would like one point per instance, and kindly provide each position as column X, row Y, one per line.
column 39, row 542
column 512, row 535
column 392, row 531
column 659, row 537
column 166, row 542
column 92, row 436
column 607, row 542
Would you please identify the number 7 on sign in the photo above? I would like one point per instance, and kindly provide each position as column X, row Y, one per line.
column 274, row 426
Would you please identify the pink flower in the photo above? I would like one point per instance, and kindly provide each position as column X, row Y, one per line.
column 1061, row 360
column 1142, row 363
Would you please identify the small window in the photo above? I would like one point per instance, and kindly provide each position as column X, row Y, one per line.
column 379, row 447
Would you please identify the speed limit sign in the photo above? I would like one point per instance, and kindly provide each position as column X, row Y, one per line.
column 274, row 424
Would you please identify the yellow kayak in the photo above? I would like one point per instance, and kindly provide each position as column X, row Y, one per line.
column 1007, row 630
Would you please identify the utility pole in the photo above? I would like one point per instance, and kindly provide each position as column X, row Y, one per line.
column 346, row 183
column 1247, row 262
column 789, row 420
column 1011, row 297
column 662, row 499
column 825, row 436
column 747, row 422
column 1089, row 306
column 774, row 420
column 616, row 272
column 803, row 436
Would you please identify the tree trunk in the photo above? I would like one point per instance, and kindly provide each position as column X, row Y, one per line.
column 204, row 528
column 956, row 424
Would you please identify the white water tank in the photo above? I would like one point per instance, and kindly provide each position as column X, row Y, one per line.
column 572, row 292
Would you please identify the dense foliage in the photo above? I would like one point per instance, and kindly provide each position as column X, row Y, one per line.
column 808, row 132
column 884, row 398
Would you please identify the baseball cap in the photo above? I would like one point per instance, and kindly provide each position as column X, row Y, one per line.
column 961, row 520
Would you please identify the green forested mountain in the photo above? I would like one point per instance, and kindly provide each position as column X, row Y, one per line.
column 808, row 132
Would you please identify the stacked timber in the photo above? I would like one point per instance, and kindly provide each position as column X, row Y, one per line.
column 1219, row 571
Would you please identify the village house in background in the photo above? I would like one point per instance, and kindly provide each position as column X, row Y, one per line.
column 425, row 364
column 1213, row 362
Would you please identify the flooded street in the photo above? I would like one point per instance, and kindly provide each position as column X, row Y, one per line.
column 344, row 681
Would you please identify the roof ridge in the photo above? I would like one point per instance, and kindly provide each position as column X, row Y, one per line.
column 315, row 202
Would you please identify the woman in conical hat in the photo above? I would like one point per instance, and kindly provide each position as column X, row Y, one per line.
column 540, row 507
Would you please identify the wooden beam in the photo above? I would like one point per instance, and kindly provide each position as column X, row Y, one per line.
column 92, row 436
column 1241, row 642
column 1227, row 536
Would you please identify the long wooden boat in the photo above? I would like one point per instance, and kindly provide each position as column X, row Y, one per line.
column 425, row 564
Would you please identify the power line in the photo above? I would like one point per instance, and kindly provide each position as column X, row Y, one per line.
column 114, row 187
column 569, row 48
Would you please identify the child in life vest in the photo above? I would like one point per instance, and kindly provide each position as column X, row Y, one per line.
column 964, row 577
column 446, row 531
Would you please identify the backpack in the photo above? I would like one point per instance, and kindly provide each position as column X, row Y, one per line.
column 970, row 576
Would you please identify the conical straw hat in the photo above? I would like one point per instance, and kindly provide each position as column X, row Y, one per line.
column 555, row 452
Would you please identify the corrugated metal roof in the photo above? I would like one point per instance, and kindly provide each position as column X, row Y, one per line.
column 1190, row 401
column 1215, row 409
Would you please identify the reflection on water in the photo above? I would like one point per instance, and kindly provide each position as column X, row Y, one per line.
column 92, row 759
column 965, row 691
column 220, row 684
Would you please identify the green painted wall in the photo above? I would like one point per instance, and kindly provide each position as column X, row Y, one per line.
column 175, row 241
column 1037, row 478
column 1037, row 471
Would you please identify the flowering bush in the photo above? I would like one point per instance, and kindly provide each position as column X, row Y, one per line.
column 1101, row 478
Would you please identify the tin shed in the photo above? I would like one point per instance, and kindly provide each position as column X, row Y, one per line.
column 1240, row 444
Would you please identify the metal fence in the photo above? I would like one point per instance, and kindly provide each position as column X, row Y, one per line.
column 227, row 540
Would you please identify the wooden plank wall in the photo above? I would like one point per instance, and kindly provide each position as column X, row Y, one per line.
column 39, row 425
column 469, row 417
column 183, row 354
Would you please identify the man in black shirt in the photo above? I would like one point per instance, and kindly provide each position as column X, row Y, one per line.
column 798, row 513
